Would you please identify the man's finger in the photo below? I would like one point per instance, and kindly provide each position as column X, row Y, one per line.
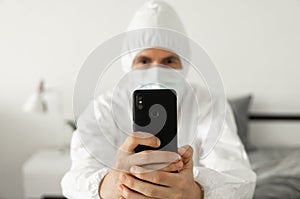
column 139, row 138
column 156, row 177
column 176, row 166
column 128, row 194
column 153, row 157
column 144, row 188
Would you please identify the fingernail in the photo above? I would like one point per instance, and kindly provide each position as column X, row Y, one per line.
column 133, row 169
column 179, row 164
column 157, row 142
column 123, row 178
column 178, row 157
column 181, row 150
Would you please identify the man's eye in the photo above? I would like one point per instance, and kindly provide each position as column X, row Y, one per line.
column 144, row 61
column 169, row 61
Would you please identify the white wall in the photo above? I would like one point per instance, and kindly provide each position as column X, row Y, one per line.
column 254, row 44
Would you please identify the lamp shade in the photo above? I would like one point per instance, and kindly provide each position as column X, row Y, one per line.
column 35, row 104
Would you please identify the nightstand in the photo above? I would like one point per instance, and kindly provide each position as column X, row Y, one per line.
column 42, row 173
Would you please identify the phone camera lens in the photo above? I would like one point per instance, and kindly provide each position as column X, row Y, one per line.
column 139, row 97
column 140, row 106
column 139, row 102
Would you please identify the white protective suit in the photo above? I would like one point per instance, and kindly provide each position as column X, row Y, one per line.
column 224, row 173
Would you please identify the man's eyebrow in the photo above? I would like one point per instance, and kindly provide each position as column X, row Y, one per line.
column 142, row 57
column 172, row 57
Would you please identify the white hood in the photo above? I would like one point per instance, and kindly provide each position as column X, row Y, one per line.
column 159, row 15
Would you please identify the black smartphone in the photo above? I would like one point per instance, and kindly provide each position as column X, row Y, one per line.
column 155, row 112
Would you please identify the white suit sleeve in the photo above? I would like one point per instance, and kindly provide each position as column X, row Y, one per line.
column 85, row 174
column 226, row 172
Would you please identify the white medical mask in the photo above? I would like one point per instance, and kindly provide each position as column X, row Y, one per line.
column 158, row 77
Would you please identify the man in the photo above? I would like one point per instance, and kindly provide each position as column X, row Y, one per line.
column 224, row 173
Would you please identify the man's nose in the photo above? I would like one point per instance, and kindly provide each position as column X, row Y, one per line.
column 156, row 62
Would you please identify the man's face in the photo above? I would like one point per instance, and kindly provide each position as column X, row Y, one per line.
column 156, row 56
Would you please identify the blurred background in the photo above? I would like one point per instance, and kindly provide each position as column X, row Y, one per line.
column 255, row 46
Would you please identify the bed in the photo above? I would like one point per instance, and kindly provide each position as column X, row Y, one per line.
column 278, row 172
column 277, row 168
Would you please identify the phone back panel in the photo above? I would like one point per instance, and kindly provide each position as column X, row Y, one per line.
column 155, row 112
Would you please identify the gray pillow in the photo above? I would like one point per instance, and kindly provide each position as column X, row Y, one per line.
column 240, row 107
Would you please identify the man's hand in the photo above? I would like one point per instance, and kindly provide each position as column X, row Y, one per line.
column 144, row 183
column 126, row 159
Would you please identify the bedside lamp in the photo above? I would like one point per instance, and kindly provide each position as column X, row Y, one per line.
column 39, row 103
column 36, row 103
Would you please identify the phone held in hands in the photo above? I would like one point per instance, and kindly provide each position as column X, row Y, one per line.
column 155, row 112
